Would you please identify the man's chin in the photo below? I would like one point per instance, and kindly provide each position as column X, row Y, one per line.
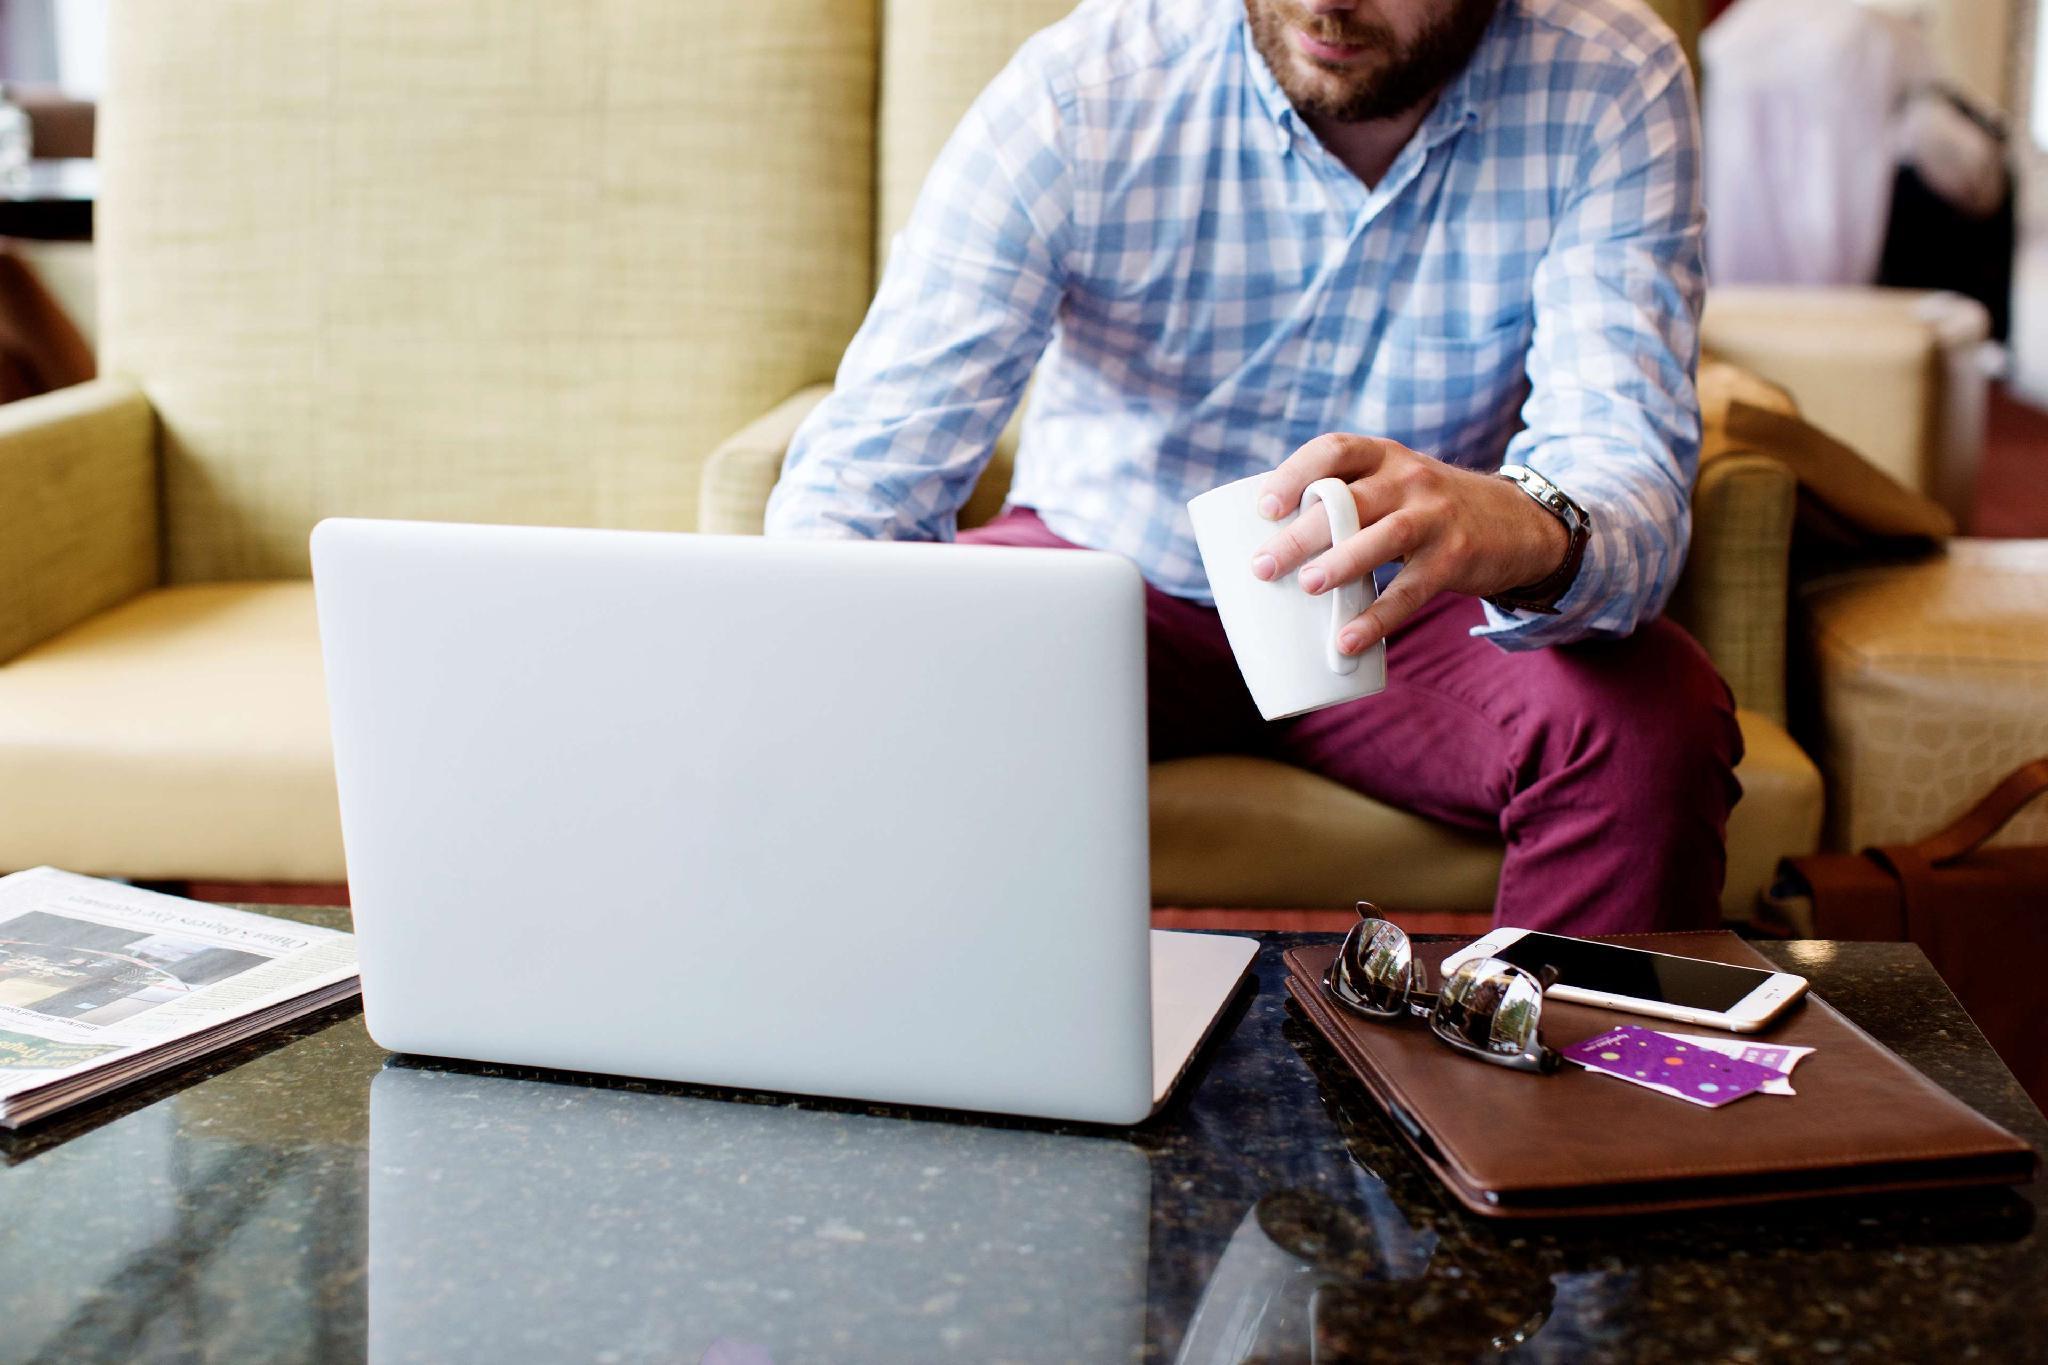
column 1322, row 87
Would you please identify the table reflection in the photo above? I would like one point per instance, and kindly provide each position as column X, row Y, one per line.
column 514, row 1220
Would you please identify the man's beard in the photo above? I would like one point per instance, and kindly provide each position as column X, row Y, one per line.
column 1395, row 79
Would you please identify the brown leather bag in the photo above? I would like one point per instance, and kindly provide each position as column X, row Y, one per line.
column 1980, row 914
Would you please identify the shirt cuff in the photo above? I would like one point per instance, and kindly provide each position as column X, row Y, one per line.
column 1588, row 607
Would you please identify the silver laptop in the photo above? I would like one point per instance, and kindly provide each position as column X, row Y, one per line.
column 857, row 820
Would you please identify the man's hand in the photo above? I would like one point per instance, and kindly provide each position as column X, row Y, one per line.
column 1455, row 530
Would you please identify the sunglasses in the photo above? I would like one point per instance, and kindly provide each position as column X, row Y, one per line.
column 1487, row 1008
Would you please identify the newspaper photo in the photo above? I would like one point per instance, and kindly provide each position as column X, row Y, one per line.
column 103, row 984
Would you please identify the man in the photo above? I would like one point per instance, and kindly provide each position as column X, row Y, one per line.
column 1360, row 231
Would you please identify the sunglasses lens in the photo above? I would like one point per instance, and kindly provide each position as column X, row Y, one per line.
column 1378, row 965
column 1491, row 1005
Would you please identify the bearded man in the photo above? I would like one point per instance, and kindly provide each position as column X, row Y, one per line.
column 1446, row 250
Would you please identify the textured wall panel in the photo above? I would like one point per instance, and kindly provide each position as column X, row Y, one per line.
column 472, row 260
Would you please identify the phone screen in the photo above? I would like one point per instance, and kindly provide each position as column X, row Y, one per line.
column 1639, row 975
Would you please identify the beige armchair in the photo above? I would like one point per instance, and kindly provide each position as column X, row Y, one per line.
column 460, row 261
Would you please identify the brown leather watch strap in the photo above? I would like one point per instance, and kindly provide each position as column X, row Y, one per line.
column 1543, row 595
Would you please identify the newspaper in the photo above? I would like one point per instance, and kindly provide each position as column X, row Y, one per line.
column 103, row 984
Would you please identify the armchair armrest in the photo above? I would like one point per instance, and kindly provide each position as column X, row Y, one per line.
column 732, row 492
column 1735, row 590
column 78, row 507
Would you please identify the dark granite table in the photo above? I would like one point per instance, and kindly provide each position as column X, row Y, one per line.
column 311, row 1198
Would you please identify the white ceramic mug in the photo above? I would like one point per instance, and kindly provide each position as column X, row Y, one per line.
column 1284, row 638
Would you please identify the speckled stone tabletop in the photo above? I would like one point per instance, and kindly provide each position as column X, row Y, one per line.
column 313, row 1198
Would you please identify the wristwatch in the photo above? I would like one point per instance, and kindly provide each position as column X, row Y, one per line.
column 1543, row 595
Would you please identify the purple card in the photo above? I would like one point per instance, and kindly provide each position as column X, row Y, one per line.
column 1658, row 1061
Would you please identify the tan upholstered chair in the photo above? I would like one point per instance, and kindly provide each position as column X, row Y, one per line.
column 530, row 263
column 464, row 260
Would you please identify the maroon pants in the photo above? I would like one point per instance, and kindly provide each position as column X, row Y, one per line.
column 1607, row 766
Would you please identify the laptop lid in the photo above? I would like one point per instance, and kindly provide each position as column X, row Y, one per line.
column 864, row 820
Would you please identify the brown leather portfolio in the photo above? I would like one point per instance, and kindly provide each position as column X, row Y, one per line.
column 1511, row 1144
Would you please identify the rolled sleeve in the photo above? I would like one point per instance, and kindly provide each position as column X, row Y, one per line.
column 1612, row 416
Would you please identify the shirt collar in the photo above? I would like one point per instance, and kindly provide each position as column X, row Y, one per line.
column 1464, row 100
column 1278, row 106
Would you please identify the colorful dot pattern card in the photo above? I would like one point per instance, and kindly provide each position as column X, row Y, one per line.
column 1777, row 1057
column 1657, row 1061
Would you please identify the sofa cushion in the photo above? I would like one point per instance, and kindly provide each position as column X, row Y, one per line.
column 1240, row 831
column 180, row 734
column 1932, row 683
column 1236, row 830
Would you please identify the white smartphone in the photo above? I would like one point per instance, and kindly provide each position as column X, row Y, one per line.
column 1687, row 989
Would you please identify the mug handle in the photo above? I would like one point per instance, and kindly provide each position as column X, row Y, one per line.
column 1348, row 600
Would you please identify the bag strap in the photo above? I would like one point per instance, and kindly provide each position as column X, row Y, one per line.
column 1922, row 891
column 1988, row 816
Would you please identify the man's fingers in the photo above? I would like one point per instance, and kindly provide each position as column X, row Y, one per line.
column 1309, row 535
column 1346, row 456
column 1391, row 537
column 1403, row 598
column 1289, row 549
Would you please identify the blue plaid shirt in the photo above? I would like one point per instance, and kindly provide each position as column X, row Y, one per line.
column 1134, row 209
